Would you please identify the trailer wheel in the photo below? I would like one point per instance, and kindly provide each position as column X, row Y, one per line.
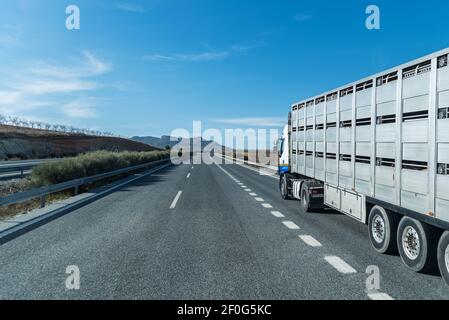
column 417, row 245
column 305, row 198
column 283, row 187
column 382, row 225
column 443, row 256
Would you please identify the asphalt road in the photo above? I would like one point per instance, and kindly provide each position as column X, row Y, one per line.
column 192, row 232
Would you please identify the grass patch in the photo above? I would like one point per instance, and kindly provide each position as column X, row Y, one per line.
column 81, row 166
column 90, row 164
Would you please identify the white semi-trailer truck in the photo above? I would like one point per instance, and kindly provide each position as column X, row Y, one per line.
column 377, row 150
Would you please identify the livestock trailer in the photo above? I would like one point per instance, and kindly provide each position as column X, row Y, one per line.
column 377, row 150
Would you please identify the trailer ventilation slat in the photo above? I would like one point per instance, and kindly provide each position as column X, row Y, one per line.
column 387, row 79
column 443, row 169
column 309, row 153
column 294, row 151
column 385, row 162
column 331, row 156
column 301, row 106
column 346, row 92
column 363, row 122
column 363, row 159
column 319, row 100
column 364, row 85
column 310, row 103
column 414, row 165
column 391, row 118
column 443, row 113
column 301, row 129
column 319, row 126
column 345, row 157
column 417, row 69
column 417, row 115
column 442, row 61
column 319, row 155
column 294, row 129
column 332, row 97
column 346, row 124
column 301, row 152
column 331, row 125
column 310, row 127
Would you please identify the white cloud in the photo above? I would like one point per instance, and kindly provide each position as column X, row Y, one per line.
column 253, row 122
column 130, row 7
column 302, row 17
column 50, row 85
column 10, row 36
column 205, row 56
column 209, row 55
column 79, row 110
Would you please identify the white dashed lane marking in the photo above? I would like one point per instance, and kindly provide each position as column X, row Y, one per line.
column 248, row 190
column 259, row 199
column 267, row 205
column 277, row 214
column 253, row 194
column 339, row 264
column 175, row 201
column 379, row 296
column 188, row 176
column 291, row 225
column 310, row 241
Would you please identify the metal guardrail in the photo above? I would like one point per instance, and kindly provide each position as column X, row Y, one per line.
column 45, row 191
column 8, row 168
column 252, row 163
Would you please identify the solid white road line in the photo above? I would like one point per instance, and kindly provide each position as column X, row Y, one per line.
column 291, row 225
column 277, row 214
column 259, row 199
column 310, row 241
column 253, row 194
column 266, row 205
column 379, row 296
column 340, row 264
column 175, row 201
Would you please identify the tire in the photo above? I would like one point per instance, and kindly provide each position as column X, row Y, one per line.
column 417, row 245
column 382, row 229
column 443, row 256
column 305, row 198
column 283, row 188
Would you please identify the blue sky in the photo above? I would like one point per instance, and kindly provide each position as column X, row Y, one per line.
column 148, row 67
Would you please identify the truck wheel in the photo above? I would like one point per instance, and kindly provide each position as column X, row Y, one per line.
column 283, row 187
column 443, row 256
column 416, row 244
column 383, row 225
column 305, row 198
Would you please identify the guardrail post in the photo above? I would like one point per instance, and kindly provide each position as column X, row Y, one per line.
column 75, row 192
column 43, row 201
column 21, row 172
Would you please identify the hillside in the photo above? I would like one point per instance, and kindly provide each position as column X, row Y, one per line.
column 25, row 143
column 164, row 141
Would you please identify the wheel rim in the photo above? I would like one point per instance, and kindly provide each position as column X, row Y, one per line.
column 283, row 188
column 411, row 243
column 378, row 229
column 446, row 258
column 304, row 200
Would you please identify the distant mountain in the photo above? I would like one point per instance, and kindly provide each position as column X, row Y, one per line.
column 164, row 141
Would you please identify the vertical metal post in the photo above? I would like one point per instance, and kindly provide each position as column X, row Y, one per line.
column 353, row 136
column 398, row 160
column 433, row 149
column 43, row 201
column 373, row 137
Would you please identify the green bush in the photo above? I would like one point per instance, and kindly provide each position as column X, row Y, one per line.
column 90, row 164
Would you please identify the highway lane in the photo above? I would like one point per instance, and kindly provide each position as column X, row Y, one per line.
column 347, row 238
column 193, row 232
